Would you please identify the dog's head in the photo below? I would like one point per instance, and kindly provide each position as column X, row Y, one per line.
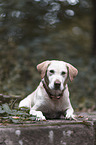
column 56, row 73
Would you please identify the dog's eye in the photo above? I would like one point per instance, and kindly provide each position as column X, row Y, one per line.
column 52, row 71
column 63, row 73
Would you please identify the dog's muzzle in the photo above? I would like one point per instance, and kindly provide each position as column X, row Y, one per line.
column 55, row 93
column 57, row 85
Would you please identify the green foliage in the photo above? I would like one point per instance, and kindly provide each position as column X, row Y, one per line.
column 15, row 116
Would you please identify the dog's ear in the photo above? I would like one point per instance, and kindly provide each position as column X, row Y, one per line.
column 42, row 67
column 72, row 71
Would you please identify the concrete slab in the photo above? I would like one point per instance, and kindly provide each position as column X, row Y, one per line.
column 50, row 132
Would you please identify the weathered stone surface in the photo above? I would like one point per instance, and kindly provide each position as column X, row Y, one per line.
column 53, row 132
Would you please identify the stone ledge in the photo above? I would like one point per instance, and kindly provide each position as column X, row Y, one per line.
column 51, row 132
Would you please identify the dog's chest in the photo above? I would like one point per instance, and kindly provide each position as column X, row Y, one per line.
column 51, row 105
column 54, row 105
column 54, row 109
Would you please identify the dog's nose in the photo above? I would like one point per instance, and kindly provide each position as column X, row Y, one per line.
column 57, row 84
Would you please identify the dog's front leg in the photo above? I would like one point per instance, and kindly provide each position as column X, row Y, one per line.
column 35, row 112
column 69, row 113
column 38, row 114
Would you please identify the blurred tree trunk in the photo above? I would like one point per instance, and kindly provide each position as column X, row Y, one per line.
column 94, row 28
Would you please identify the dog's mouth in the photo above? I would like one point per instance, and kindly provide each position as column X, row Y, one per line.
column 55, row 94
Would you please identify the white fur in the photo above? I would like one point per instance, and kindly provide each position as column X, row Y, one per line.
column 58, row 67
column 39, row 101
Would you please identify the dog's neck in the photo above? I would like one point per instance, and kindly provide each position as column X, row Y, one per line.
column 49, row 91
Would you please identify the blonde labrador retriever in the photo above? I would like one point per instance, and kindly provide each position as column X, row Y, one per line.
column 51, row 98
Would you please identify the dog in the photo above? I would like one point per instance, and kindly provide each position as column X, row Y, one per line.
column 51, row 98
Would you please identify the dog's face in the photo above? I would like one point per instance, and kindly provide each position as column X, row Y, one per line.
column 56, row 73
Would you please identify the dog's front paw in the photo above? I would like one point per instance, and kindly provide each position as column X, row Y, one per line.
column 38, row 114
column 70, row 115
